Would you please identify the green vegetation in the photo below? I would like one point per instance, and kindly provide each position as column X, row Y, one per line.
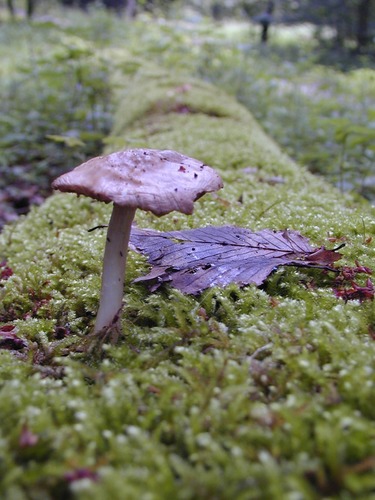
column 55, row 108
column 237, row 393
column 56, row 97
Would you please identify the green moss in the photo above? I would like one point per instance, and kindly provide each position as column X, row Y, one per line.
column 237, row 393
column 157, row 92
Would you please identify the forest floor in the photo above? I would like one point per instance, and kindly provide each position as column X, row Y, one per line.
column 16, row 199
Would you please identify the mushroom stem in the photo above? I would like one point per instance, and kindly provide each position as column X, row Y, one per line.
column 113, row 276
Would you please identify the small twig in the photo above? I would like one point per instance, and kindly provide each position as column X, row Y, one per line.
column 338, row 248
column 277, row 202
column 266, row 347
column 101, row 226
column 311, row 265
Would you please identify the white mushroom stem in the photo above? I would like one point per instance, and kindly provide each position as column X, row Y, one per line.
column 115, row 254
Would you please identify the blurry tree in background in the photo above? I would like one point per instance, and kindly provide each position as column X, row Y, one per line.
column 363, row 28
column 265, row 19
column 351, row 20
column 29, row 4
column 130, row 7
column 115, row 5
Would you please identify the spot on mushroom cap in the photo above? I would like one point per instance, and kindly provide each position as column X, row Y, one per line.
column 153, row 180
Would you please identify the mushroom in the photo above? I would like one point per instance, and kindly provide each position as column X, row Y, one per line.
column 149, row 179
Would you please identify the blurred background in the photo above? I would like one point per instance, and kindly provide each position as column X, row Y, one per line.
column 304, row 68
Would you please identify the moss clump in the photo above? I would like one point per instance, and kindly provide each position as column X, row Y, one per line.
column 237, row 393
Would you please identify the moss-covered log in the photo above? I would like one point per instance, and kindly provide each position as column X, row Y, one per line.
column 238, row 393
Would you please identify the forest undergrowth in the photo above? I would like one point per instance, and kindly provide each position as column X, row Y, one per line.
column 56, row 104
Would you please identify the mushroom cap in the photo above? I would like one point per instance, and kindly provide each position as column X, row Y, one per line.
column 153, row 180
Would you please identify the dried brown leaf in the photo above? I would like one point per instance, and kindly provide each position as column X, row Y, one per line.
column 196, row 259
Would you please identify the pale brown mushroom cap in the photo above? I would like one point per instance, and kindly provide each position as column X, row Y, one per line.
column 153, row 180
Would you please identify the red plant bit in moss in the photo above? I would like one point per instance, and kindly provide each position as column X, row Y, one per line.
column 61, row 332
column 346, row 287
column 5, row 271
column 9, row 340
column 357, row 292
column 38, row 302
column 27, row 438
column 349, row 273
column 81, row 473
column 362, row 269
column 182, row 109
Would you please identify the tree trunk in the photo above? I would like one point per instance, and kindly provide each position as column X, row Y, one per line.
column 265, row 21
column 30, row 6
column 10, row 7
column 131, row 9
column 363, row 13
column 264, row 35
